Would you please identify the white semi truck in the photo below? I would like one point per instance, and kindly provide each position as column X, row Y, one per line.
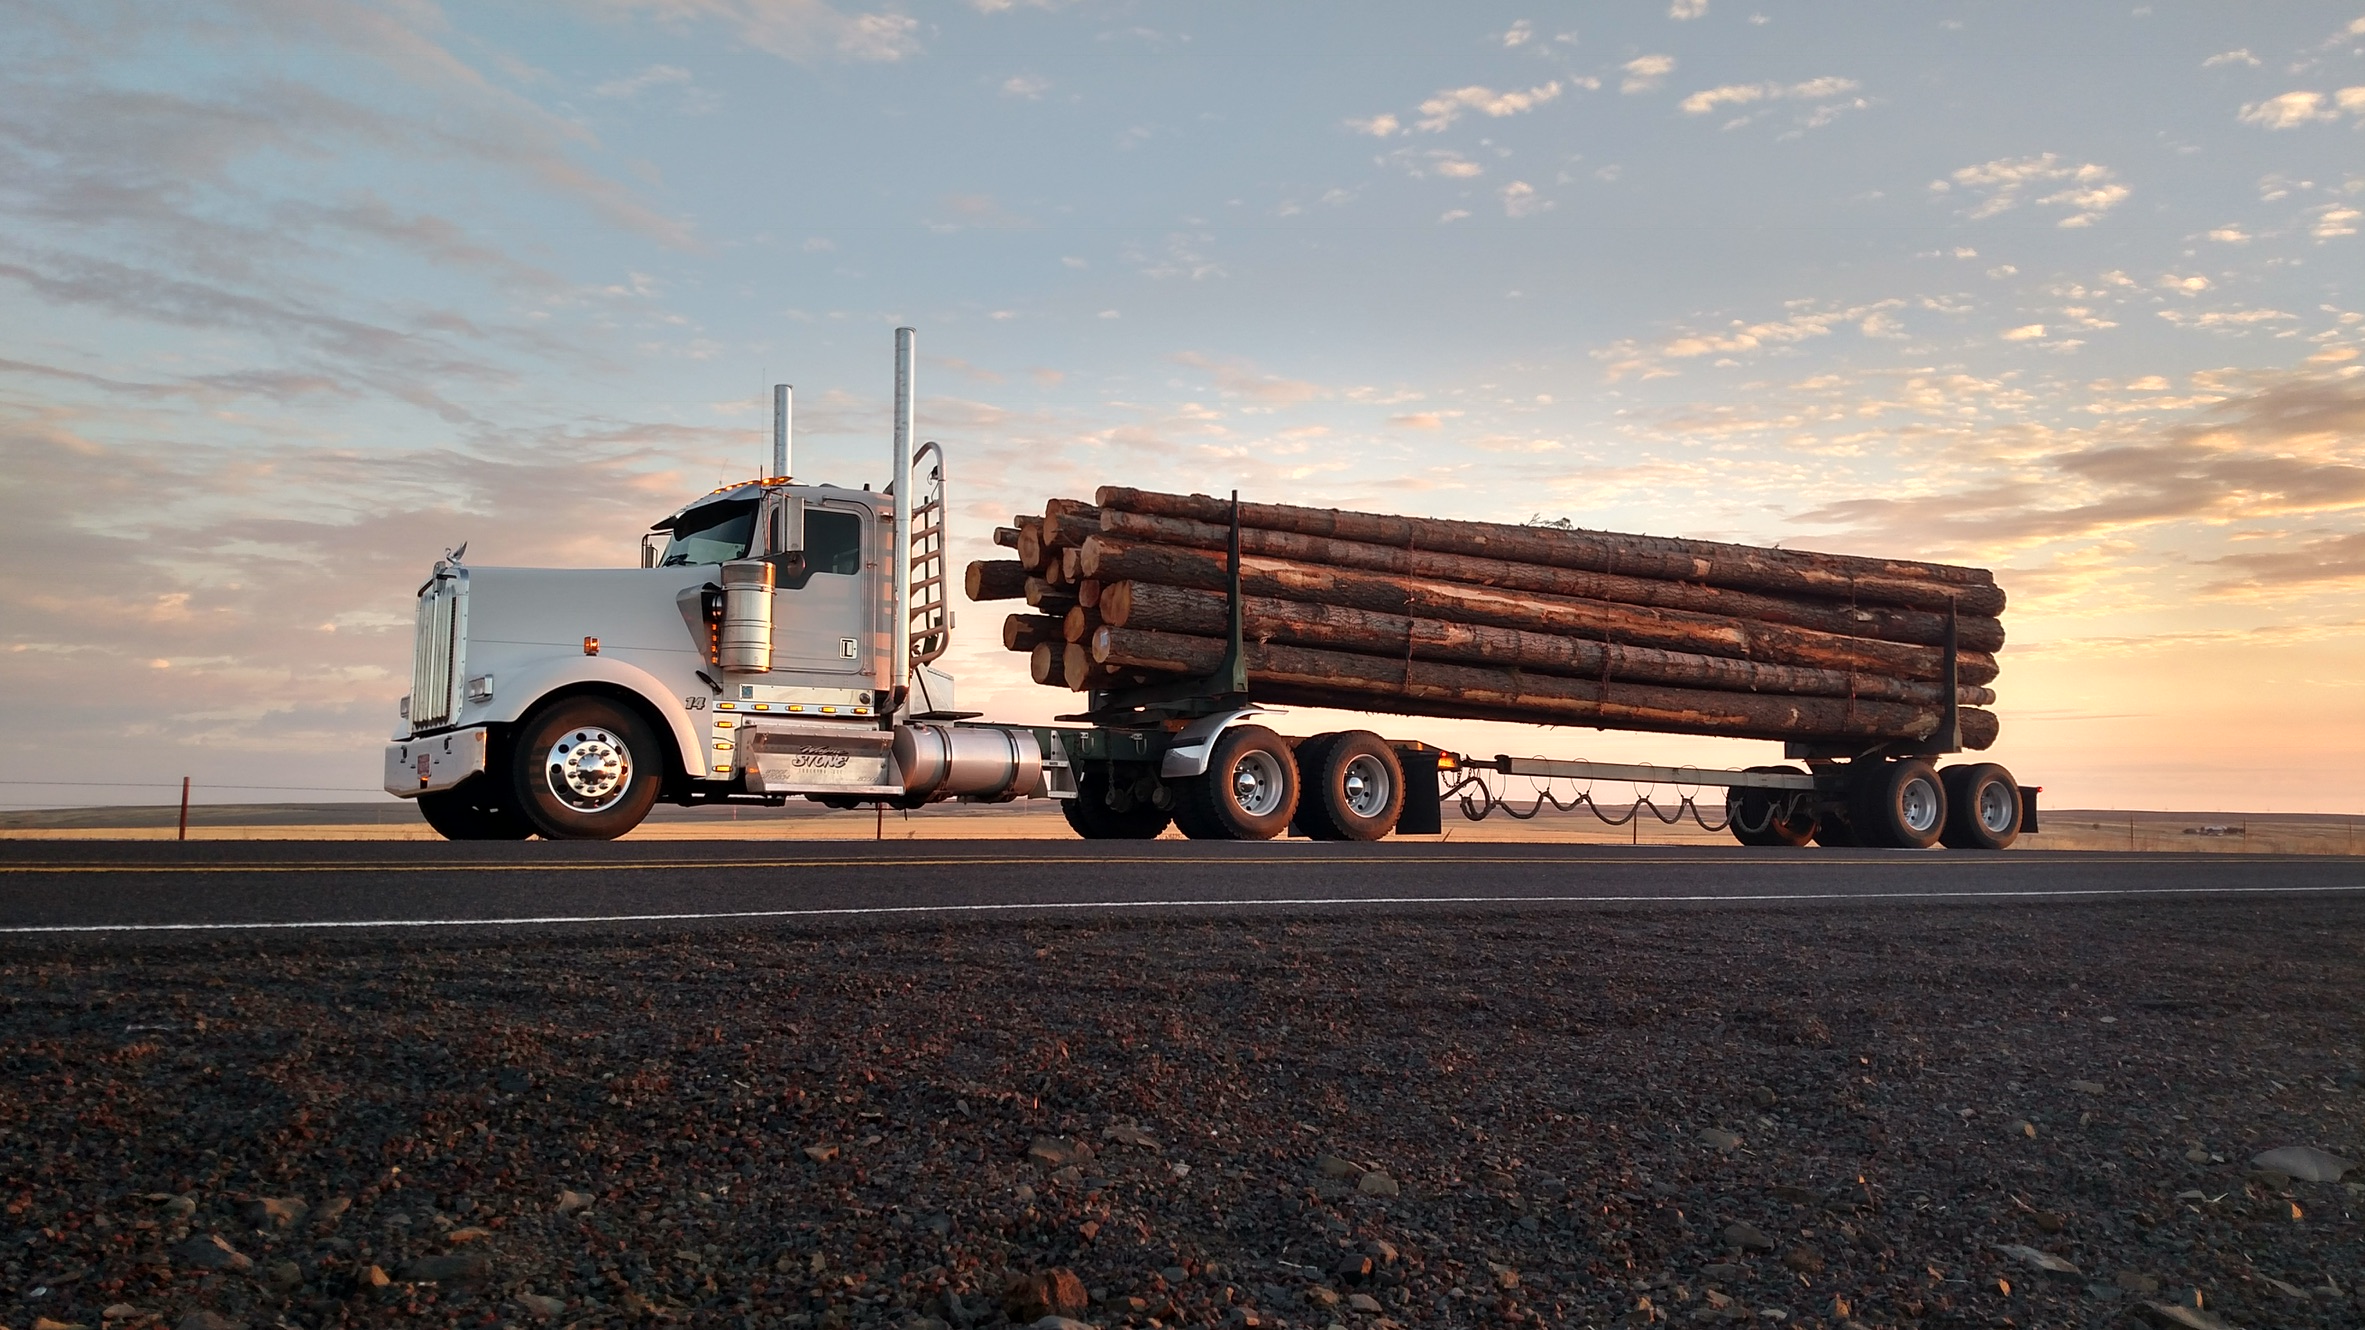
column 780, row 640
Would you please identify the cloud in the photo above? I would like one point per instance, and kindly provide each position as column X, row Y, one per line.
column 1680, row 10
column 976, row 212
column 1519, row 200
column 1446, row 107
column 2294, row 109
column 798, row 30
column 1630, row 358
column 1519, row 34
column 1740, row 94
column 1026, row 87
column 2322, row 559
column 1238, row 378
column 2025, row 333
column 2230, row 234
column 2223, row 318
column 2334, row 220
column 2240, row 57
column 655, row 76
column 1644, row 73
column 1379, row 126
column 2092, row 190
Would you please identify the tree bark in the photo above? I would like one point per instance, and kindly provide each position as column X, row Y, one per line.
column 1205, row 614
column 1067, row 522
column 1363, row 682
column 1887, row 623
column 1025, row 632
column 1110, row 559
column 996, row 579
column 1048, row 598
column 1006, row 537
column 1847, row 578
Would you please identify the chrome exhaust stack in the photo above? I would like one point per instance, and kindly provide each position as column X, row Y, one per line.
column 899, row 627
column 783, row 400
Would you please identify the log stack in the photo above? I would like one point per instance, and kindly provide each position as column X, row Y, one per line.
column 1485, row 621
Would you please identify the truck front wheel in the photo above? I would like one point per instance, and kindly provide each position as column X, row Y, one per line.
column 584, row 768
column 476, row 809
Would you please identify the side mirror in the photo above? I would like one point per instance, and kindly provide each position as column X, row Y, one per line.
column 787, row 532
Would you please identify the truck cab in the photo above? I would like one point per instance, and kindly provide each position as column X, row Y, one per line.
column 777, row 640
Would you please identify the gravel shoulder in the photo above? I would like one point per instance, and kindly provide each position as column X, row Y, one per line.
column 1885, row 1116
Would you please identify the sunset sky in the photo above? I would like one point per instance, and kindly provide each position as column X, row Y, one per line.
column 295, row 294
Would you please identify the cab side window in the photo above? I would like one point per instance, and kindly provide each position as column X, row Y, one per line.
column 833, row 544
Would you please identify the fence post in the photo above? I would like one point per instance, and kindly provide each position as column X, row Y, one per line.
column 184, row 809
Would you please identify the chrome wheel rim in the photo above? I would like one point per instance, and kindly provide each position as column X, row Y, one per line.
column 1256, row 784
column 1917, row 804
column 589, row 769
column 1996, row 813
column 1365, row 784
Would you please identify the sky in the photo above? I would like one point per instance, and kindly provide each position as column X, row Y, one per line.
column 296, row 294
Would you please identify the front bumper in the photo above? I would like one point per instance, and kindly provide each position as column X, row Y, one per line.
column 436, row 762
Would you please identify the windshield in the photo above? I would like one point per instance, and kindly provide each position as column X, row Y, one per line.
column 713, row 533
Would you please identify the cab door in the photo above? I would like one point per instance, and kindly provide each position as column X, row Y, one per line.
column 821, row 617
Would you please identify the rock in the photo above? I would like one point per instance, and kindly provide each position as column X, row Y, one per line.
column 2196, row 1155
column 1376, row 1183
column 1363, row 1302
column 332, row 1210
column 2304, row 1162
column 45, row 1323
column 209, row 1253
column 1805, row 1260
column 2192, row 1318
column 509, row 1080
column 1353, row 1269
column 373, row 1277
column 455, row 1268
column 1717, row 1138
column 1068, row 1323
column 1762, row 1096
column 571, row 1201
column 1720, row 1270
column 178, row 1207
column 208, row 1321
column 1174, row 1275
column 1133, row 1136
column 1322, row 1297
column 2047, row 1221
column 1383, row 1252
column 2022, row 1126
column 1741, row 1235
column 821, row 1153
column 283, row 1275
column 2134, row 1281
column 2043, row 1262
column 541, row 1306
column 275, row 1211
column 2086, row 1087
column 1027, row 1299
column 1071, row 1176
column 1331, row 1166
column 1056, row 1152
column 1023, row 1194
column 116, row 1311
column 462, row 1236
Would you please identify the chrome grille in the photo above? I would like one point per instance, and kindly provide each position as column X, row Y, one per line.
column 434, row 654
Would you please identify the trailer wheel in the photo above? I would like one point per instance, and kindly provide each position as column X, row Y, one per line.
column 1309, row 767
column 1095, row 818
column 1832, row 832
column 1982, row 807
column 473, row 810
column 1248, row 792
column 584, row 768
column 1352, row 789
column 1898, row 805
column 1770, row 817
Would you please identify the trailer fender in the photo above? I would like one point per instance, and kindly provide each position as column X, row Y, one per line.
column 522, row 690
column 1189, row 753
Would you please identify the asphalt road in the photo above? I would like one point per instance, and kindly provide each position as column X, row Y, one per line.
column 129, row 889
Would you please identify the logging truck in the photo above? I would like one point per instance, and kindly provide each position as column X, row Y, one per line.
column 783, row 640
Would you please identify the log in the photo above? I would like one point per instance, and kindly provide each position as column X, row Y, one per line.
column 1078, row 624
column 1849, row 578
column 1025, row 632
column 1067, row 522
column 1006, row 537
column 1088, row 593
column 1047, row 663
column 1048, row 598
column 1077, row 666
column 995, row 579
column 1030, row 541
column 1071, row 565
column 1891, row 624
column 1111, row 559
column 1294, row 623
column 1364, row 682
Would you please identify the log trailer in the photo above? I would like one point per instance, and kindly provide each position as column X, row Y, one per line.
column 780, row 640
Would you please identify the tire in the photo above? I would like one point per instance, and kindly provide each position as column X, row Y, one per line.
column 1351, row 789
column 1248, row 792
column 585, row 768
column 1898, row 805
column 1833, row 833
column 1095, row 817
column 1744, row 808
column 1982, row 807
column 474, row 810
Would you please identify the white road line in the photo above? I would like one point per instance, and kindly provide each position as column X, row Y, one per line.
column 1298, row 902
